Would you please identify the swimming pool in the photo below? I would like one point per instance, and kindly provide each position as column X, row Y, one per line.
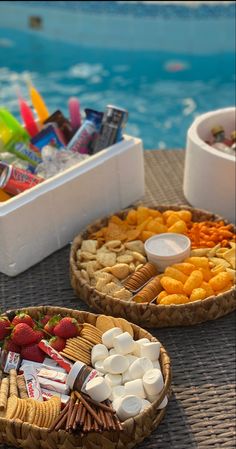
column 163, row 90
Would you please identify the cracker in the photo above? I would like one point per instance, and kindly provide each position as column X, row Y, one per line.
column 89, row 246
column 104, row 323
column 4, row 393
column 31, row 410
column 106, row 259
column 12, row 405
column 125, row 326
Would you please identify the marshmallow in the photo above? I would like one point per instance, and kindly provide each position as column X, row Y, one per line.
column 113, row 379
column 135, row 387
column 116, row 403
column 108, row 336
column 153, row 382
column 151, row 350
column 126, row 377
column 139, row 367
column 112, row 351
column 156, row 364
column 99, row 352
column 100, row 367
column 138, row 344
column 152, row 398
column 145, row 405
column 123, row 343
column 98, row 389
column 131, row 358
column 116, row 364
column 163, row 403
column 118, row 392
column 128, row 407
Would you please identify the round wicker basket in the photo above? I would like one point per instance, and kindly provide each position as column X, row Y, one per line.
column 150, row 315
column 136, row 429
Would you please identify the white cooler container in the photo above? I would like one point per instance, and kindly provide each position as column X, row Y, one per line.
column 43, row 219
column 209, row 174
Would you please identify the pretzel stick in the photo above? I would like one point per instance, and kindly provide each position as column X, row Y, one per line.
column 89, row 408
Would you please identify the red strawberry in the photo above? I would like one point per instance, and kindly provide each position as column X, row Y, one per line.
column 5, row 327
column 9, row 345
column 23, row 335
column 33, row 353
column 57, row 343
column 67, row 328
column 23, row 317
column 39, row 334
column 49, row 326
column 45, row 319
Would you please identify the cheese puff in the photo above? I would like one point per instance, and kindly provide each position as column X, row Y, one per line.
column 176, row 274
column 172, row 219
column 142, row 214
column 220, row 281
column 209, row 290
column 146, row 235
column 167, row 213
column 155, row 214
column 185, row 215
column 162, row 295
column 184, row 267
column 171, row 285
column 194, row 281
column 226, row 289
column 174, row 299
column 178, row 228
column 202, row 262
column 157, row 227
column 207, row 274
column 197, row 294
column 132, row 217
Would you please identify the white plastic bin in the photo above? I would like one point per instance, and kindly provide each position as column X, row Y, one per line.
column 43, row 219
column 209, row 174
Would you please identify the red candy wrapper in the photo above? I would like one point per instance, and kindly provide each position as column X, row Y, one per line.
column 32, row 383
column 47, row 394
column 53, row 386
column 64, row 363
column 12, row 361
column 52, row 374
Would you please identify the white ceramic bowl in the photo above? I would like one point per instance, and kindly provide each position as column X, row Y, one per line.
column 209, row 174
column 166, row 249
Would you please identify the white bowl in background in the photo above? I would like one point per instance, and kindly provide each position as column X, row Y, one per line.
column 209, row 174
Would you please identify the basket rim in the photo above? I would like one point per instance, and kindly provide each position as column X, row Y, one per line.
column 165, row 359
column 153, row 307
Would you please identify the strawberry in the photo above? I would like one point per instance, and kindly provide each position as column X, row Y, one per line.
column 67, row 328
column 5, row 327
column 44, row 320
column 23, row 317
column 9, row 345
column 39, row 335
column 23, row 334
column 49, row 326
column 57, row 343
column 33, row 353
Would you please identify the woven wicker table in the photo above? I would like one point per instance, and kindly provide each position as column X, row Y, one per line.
column 201, row 412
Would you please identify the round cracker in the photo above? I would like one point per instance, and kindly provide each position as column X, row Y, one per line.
column 104, row 323
column 12, row 404
column 75, row 356
column 126, row 326
column 31, row 410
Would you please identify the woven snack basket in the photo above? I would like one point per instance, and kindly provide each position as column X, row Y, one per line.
column 150, row 315
column 135, row 430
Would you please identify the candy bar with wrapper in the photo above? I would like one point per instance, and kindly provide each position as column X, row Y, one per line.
column 52, row 375
column 32, row 383
column 45, row 346
column 47, row 394
column 53, row 386
column 12, row 361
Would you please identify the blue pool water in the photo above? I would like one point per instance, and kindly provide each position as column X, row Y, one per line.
column 163, row 92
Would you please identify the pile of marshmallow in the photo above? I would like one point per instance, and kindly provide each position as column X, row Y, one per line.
column 129, row 373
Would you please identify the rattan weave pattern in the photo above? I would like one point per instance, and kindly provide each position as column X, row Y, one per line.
column 201, row 412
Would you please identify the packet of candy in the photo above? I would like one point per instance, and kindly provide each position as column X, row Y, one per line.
column 84, row 137
column 63, row 124
column 49, row 135
column 32, row 383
